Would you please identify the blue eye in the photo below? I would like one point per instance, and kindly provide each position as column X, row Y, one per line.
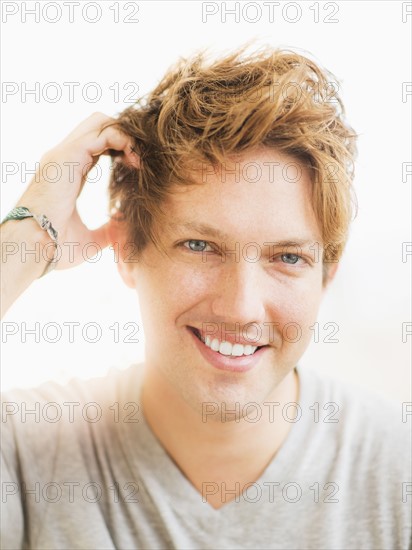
column 290, row 258
column 196, row 246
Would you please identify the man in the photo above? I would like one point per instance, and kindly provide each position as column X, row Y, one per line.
column 231, row 201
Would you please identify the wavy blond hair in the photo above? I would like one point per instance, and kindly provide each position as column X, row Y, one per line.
column 206, row 111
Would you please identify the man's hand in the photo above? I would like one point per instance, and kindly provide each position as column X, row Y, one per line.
column 75, row 155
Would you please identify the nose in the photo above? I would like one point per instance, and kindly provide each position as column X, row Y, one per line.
column 239, row 294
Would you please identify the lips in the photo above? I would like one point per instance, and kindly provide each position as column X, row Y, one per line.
column 236, row 340
column 225, row 347
column 225, row 361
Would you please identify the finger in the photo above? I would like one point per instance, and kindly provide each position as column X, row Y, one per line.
column 90, row 131
column 129, row 157
column 112, row 138
column 94, row 122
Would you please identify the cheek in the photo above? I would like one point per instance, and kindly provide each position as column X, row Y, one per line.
column 191, row 283
column 296, row 311
column 168, row 291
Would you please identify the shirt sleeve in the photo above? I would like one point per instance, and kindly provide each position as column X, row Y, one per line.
column 11, row 511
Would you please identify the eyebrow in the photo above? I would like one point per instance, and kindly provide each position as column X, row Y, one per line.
column 203, row 228
column 206, row 229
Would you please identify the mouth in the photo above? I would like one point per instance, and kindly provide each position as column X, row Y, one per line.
column 227, row 356
column 251, row 351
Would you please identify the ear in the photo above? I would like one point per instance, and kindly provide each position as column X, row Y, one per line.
column 330, row 274
column 118, row 239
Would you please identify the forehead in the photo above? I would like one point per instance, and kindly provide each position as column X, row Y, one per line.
column 262, row 194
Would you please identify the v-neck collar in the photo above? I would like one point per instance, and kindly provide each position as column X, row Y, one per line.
column 150, row 461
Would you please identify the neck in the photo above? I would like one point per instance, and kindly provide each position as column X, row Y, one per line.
column 233, row 452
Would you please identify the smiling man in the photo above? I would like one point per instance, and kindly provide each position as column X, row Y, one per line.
column 223, row 319
column 231, row 202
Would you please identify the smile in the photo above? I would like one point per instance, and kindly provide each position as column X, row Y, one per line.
column 224, row 347
column 225, row 355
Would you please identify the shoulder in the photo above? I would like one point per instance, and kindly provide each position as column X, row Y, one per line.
column 359, row 409
column 117, row 382
column 370, row 439
column 43, row 417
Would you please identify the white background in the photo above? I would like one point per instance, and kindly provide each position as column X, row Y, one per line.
column 367, row 49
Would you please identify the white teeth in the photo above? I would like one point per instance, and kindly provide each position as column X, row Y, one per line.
column 226, row 348
column 215, row 345
column 249, row 349
column 238, row 350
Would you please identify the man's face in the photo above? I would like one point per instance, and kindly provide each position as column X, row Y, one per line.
column 228, row 273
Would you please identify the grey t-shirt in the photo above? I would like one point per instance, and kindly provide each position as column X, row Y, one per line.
column 82, row 469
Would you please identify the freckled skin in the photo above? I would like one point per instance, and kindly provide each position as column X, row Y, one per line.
column 179, row 289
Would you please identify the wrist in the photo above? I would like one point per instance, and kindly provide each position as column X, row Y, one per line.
column 41, row 243
column 27, row 244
